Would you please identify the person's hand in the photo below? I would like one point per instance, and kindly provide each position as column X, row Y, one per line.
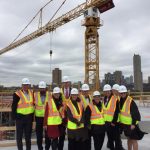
column 112, row 124
column 132, row 127
column 78, row 123
column 45, row 128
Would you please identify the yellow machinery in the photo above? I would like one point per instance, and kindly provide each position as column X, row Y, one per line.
column 91, row 36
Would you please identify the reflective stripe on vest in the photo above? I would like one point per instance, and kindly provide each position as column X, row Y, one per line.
column 54, row 117
column 72, row 125
column 96, row 115
column 39, row 106
column 125, row 115
column 83, row 99
column 109, row 110
column 25, row 105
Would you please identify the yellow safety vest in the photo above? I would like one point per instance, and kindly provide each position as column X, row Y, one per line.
column 125, row 115
column 65, row 100
column 54, row 116
column 97, row 117
column 39, row 106
column 78, row 116
column 25, row 104
column 109, row 110
column 83, row 99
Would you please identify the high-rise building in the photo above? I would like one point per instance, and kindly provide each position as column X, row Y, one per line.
column 118, row 77
column 149, row 80
column 138, row 79
column 57, row 75
column 109, row 78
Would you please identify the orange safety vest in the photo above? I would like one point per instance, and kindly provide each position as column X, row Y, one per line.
column 54, row 116
column 96, row 115
column 109, row 110
column 78, row 116
column 25, row 104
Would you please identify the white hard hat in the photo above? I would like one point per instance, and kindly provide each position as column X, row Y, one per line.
column 74, row 91
column 85, row 87
column 42, row 85
column 122, row 89
column 25, row 81
column 56, row 90
column 107, row 87
column 66, row 79
column 115, row 87
column 96, row 93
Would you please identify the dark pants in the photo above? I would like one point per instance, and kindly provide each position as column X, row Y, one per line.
column 75, row 145
column 51, row 142
column 88, row 141
column 98, row 141
column 24, row 126
column 61, row 142
column 39, row 134
column 114, row 139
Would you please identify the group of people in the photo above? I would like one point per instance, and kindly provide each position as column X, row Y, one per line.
column 78, row 113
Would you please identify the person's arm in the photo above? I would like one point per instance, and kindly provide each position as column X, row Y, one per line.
column 14, row 105
column 115, row 118
column 45, row 115
column 135, row 114
column 70, row 116
column 87, row 122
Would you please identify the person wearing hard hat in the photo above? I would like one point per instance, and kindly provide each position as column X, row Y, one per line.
column 53, row 119
column 66, row 89
column 129, row 117
column 22, row 113
column 94, row 120
column 115, row 92
column 86, row 100
column 111, row 111
column 41, row 97
column 77, row 134
column 65, row 93
column 85, row 96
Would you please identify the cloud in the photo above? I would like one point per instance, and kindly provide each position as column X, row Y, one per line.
column 125, row 33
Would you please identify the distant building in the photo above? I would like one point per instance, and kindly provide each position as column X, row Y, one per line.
column 149, row 80
column 109, row 78
column 118, row 78
column 129, row 80
column 138, row 79
column 56, row 76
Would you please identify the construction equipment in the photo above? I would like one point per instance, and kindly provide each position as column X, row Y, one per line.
column 91, row 66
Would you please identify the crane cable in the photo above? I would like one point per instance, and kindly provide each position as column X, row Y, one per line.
column 30, row 21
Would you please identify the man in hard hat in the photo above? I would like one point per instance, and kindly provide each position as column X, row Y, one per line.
column 85, row 96
column 53, row 119
column 41, row 97
column 94, row 120
column 77, row 134
column 22, row 113
column 111, row 111
column 66, row 89
column 86, row 99
column 65, row 93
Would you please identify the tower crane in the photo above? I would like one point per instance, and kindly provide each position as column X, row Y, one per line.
column 91, row 36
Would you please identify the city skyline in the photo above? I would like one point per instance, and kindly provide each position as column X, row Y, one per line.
column 121, row 36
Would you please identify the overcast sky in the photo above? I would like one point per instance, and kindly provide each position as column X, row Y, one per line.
column 126, row 32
